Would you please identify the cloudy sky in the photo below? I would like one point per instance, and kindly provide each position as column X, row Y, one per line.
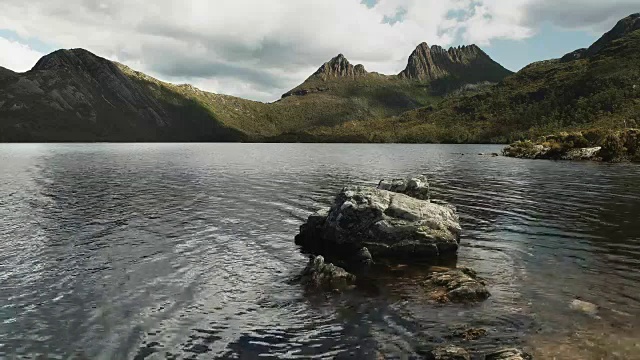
column 259, row 49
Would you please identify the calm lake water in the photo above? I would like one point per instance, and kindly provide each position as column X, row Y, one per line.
column 133, row 251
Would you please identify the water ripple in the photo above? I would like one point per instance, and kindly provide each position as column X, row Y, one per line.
column 185, row 251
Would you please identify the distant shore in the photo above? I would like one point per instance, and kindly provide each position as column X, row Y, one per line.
column 594, row 145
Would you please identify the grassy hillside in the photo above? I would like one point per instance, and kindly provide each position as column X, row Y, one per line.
column 344, row 100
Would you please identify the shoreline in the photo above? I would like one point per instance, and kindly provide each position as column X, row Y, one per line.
column 591, row 145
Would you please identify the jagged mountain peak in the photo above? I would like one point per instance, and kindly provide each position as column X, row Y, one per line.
column 431, row 63
column 339, row 66
column 70, row 59
column 425, row 48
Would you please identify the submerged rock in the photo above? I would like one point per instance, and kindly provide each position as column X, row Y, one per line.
column 388, row 223
column 324, row 276
column 364, row 257
column 461, row 285
column 509, row 354
column 449, row 353
column 468, row 334
column 585, row 307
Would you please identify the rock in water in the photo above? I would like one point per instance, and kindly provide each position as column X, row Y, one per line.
column 467, row 334
column 509, row 354
column 321, row 275
column 389, row 224
column 585, row 307
column 581, row 153
column 364, row 257
column 460, row 285
column 417, row 187
column 449, row 353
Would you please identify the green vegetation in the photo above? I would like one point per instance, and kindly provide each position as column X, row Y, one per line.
column 594, row 144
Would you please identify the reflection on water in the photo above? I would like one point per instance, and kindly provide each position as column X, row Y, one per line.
column 184, row 251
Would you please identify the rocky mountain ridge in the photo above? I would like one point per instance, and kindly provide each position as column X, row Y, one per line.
column 339, row 66
column 458, row 65
column 74, row 95
column 432, row 63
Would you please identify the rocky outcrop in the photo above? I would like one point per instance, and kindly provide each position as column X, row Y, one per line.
column 389, row 224
column 303, row 92
column 425, row 64
column 574, row 55
column 339, row 66
column 417, row 187
column 433, row 63
column 589, row 153
column 509, row 354
column 449, row 352
column 460, row 285
column 325, row 276
column 452, row 352
column 530, row 150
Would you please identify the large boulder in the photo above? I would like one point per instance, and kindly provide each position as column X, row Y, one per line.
column 581, row 153
column 389, row 224
column 461, row 285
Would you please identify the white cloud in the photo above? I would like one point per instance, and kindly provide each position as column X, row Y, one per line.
column 260, row 49
column 16, row 56
column 596, row 16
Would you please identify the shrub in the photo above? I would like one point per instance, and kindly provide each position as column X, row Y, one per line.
column 595, row 136
column 630, row 139
column 612, row 148
column 576, row 140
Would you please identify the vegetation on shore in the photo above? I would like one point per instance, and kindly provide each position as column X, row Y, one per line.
column 594, row 144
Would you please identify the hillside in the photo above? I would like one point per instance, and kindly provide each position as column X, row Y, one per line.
column 598, row 87
column 74, row 95
column 6, row 73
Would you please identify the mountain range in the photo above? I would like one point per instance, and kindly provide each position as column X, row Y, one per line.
column 443, row 95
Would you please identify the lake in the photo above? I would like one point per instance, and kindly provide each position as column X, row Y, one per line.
column 134, row 251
